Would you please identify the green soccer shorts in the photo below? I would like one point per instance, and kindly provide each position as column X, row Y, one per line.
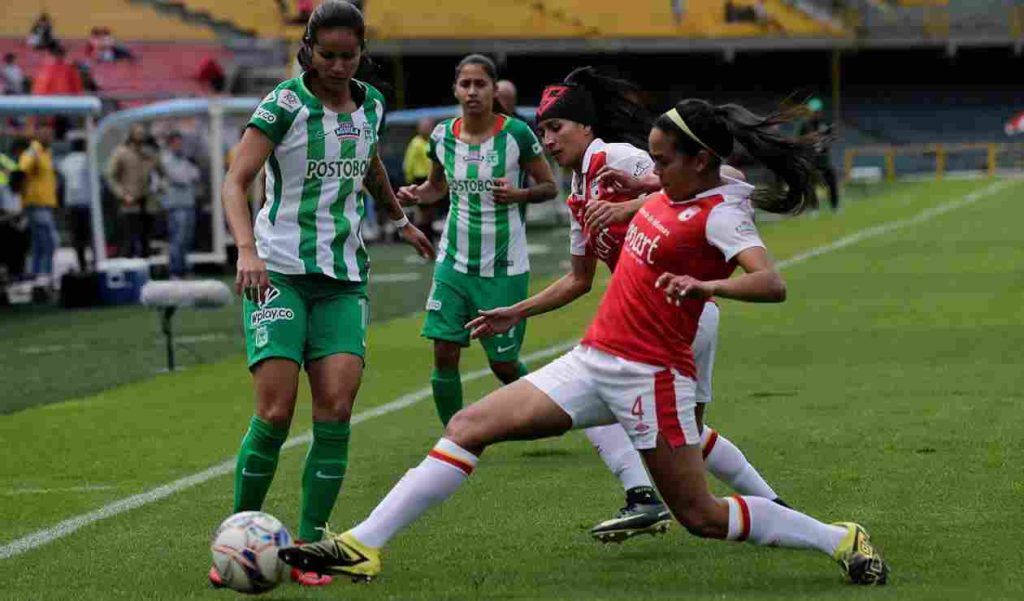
column 455, row 299
column 305, row 318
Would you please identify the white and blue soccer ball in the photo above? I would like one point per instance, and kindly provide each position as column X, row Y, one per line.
column 245, row 551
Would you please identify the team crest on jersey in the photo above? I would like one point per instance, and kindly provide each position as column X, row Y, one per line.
column 689, row 213
column 289, row 101
column 641, row 168
column 348, row 131
column 475, row 156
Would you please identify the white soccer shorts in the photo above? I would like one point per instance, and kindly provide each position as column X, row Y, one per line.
column 597, row 389
column 705, row 345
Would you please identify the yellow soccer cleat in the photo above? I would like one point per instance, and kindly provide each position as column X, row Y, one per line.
column 335, row 554
column 860, row 561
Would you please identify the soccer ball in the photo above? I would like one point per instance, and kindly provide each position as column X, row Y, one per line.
column 245, row 551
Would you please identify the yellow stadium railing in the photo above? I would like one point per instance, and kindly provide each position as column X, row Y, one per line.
column 987, row 158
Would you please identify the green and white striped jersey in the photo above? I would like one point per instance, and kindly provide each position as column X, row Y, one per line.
column 481, row 238
column 315, row 200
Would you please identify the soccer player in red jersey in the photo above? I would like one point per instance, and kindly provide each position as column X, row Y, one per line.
column 592, row 125
column 635, row 365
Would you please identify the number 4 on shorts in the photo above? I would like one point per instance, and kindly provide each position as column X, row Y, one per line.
column 638, row 408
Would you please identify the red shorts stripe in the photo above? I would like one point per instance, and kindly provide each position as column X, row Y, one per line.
column 665, row 406
column 744, row 517
column 453, row 461
column 710, row 444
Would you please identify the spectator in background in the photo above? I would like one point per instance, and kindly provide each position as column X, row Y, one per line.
column 40, row 202
column 508, row 97
column 816, row 124
column 416, row 166
column 303, row 9
column 7, row 167
column 212, row 74
column 678, row 10
column 74, row 168
column 57, row 76
column 180, row 178
column 14, row 77
column 13, row 227
column 128, row 176
column 40, row 36
column 104, row 48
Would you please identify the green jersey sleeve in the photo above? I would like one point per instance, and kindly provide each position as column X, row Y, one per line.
column 436, row 137
column 529, row 145
column 276, row 112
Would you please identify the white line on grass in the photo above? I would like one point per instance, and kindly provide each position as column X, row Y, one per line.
column 46, row 491
column 68, row 526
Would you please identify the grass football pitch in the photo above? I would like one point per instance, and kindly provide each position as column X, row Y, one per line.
column 886, row 390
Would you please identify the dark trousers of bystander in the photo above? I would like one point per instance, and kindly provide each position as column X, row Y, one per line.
column 80, row 227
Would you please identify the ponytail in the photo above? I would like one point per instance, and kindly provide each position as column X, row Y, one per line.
column 620, row 117
column 716, row 129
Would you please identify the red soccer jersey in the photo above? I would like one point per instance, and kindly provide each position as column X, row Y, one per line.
column 700, row 238
column 606, row 243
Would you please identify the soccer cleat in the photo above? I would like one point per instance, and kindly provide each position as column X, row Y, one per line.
column 861, row 563
column 215, row 580
column 335, row 554
column 633, row 520
column 310, row 578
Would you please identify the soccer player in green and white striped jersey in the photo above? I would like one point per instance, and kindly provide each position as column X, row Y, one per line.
column 304, row 267
column 480, row 160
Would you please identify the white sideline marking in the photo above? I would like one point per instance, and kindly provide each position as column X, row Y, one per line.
column 391, row 278
column 45, row 491
column 70, row 525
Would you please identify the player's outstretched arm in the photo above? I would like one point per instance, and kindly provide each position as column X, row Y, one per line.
column 563, row 291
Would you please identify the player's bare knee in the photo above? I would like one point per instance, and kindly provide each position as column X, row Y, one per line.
column 468, row 430
column 278, row 414
column 336, row 408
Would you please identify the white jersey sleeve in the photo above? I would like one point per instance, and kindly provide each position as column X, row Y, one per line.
column 730, row 228
column 577, row 238
column 629, row 159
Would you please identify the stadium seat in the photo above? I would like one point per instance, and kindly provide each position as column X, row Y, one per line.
column 576, row 18
column 163, row 69
column 74, row 19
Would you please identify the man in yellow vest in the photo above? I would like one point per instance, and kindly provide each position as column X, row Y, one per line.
column 39, row 201
column 416, row 167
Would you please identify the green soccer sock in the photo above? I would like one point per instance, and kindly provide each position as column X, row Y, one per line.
column 447, row 385
column 257, row 462
column 321, row 480
column 523, row 370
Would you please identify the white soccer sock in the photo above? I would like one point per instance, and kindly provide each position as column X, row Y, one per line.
column 441, row 474
column 618, row 453
column 726, row 462
column 765, row 523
